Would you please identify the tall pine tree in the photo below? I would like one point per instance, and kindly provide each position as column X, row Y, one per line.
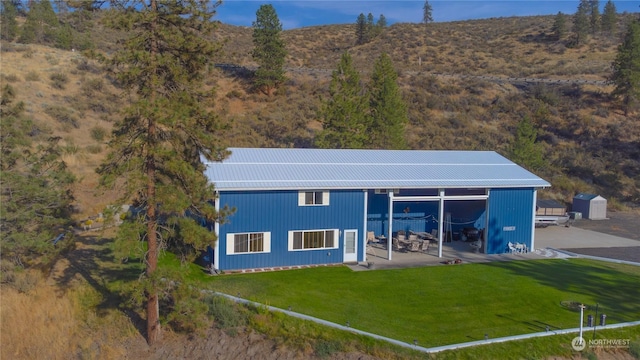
column 269, row 50
column 156, row 149
column 626, row 69
column 388, row 110
column 525, row 151
column 581, row 23
column 344, row 113
column 609, row 18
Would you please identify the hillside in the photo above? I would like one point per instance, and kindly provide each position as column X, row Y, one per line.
column 467, row 84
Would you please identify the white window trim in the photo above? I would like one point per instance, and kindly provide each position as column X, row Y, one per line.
column 336, row 238
column 302, row 195
column 266, row 236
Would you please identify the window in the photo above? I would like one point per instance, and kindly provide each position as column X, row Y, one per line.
column 313, row 239
column 311, row 198
column 246, row 243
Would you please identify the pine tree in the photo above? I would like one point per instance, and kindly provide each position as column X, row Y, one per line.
column 626, row 68
column 156, row 148
column 35, row 190
column 581, row 23
column 594, row 13
column 525, row 151
column 8, row 22
column 388, row 110
column 361, row 29
column 41, row 24
column 609, row 18
column 559, row 28
column 269, row 50
column 370, row 30
column 344, row 113
column 427, row 13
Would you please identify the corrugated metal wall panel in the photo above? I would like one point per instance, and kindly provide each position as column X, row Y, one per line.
column 278, row 212
column 510, row 217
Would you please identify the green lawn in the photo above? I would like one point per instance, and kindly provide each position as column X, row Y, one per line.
column 448, row 304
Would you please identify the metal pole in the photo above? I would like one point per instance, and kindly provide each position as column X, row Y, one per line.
column 581, row 320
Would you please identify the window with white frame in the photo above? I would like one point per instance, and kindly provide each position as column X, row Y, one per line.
column 311, row 198
column 248, row 243
column 313, row 239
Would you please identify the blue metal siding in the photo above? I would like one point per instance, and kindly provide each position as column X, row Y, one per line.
column 278, row 212
column 510, row 217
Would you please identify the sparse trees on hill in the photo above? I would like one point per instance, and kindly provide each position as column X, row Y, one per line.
column 8, row 22
column 609, row 18
column 626, row 69
column 41, row 24
column 387, row 108
column 367, row 30
column 156, row 148
column 344, row 115
column 355, row 117
column 269, row 50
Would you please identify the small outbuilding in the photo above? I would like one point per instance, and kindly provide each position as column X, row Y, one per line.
column 591, row 206
column 550, row 207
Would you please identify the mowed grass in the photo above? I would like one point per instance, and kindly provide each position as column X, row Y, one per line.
column 448, row 304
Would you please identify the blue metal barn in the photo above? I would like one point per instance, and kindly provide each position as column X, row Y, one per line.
column 297, row 207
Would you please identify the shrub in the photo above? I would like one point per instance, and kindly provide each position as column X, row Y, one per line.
column 98, row 133
column 59, row 80
column 94, row 149
column 32, row 76
column 225, row 313
column 62, row 115
column 11, row 77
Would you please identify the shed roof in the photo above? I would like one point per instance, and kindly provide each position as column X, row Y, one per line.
column 587, row 197
column 549, row 204
column 306, row 169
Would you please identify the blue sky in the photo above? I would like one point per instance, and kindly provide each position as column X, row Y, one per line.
column 300, row 13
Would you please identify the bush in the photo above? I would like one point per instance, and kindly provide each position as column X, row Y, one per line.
column 62, row 115
column 98, row 133
column 11, row 77
column 225, row 313
column 32, row 76
column 59, row 80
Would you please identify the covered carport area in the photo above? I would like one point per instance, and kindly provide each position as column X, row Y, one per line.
column 443, row 220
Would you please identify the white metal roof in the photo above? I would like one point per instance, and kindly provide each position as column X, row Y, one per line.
column 305, row 169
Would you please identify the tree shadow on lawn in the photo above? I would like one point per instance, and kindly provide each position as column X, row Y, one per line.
column 94, row 262
column 615, row 291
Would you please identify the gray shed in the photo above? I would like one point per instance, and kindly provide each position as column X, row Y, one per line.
column 550, row 207
column 591, row 206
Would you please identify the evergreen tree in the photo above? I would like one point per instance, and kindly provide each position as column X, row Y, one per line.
column 581, row 22
column 427, row 13
column 35, row 190
column 269, row 50
column 388, row 110
column 559, row 28
column 382, row 22
column 41, row 24
column 594, row 13
column 370, row 30
column 525, row 151
column 8, row 23
column 156, row 148
column 609, row 18
column 361, row 29
column 626, row 68
column 344, row 114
